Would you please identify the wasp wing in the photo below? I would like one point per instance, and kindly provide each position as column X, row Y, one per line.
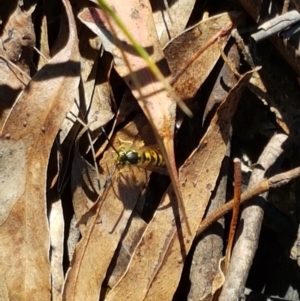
column 158, row 169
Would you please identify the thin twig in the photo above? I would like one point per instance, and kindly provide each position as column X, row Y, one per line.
column 85, row 129
column 9, row 63
column 274, row 182
column 211, row 41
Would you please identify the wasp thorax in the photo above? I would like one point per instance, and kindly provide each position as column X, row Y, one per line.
column 127, row 157
column 132, row 157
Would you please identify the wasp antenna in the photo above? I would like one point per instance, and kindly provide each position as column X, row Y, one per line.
column 80, row 134
column 108, row 180
column 108, row 139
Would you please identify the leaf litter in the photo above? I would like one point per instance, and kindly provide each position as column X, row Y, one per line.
column 130, row 233
column 29, row 132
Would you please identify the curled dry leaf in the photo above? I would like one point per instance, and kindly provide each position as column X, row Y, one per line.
column 163, row 247
column 218, row 281
column 25, row 144
column 17, row 41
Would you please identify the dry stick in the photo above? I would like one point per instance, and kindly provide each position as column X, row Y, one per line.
column 227, row 61
column 41, row 54
column 168, row 11
column 80, row 134
column 9, row 63
column 249, row 231
column 236, row 209
column 104, row 145
column 273, row 182
column 86, row 129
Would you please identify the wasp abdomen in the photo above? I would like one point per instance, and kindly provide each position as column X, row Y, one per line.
column 152, row 157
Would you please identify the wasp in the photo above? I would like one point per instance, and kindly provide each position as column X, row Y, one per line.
column 147, row 157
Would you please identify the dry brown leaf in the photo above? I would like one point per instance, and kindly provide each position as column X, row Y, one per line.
column 179, row 50
column 84, row 186
column 209, row 246
column 136, row 227
column 57, row 233
column 25, row 142
column 17, row 41
column 101, row 108
column 44, row 48
column 157, row 110
column 3, row 289
column 170, row 22
column 103, row 231
column 161, row 252
column 128, row 107
column 89, row 46
column 226, row 79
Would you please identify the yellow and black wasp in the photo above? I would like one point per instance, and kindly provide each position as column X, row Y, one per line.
column 147, row 157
